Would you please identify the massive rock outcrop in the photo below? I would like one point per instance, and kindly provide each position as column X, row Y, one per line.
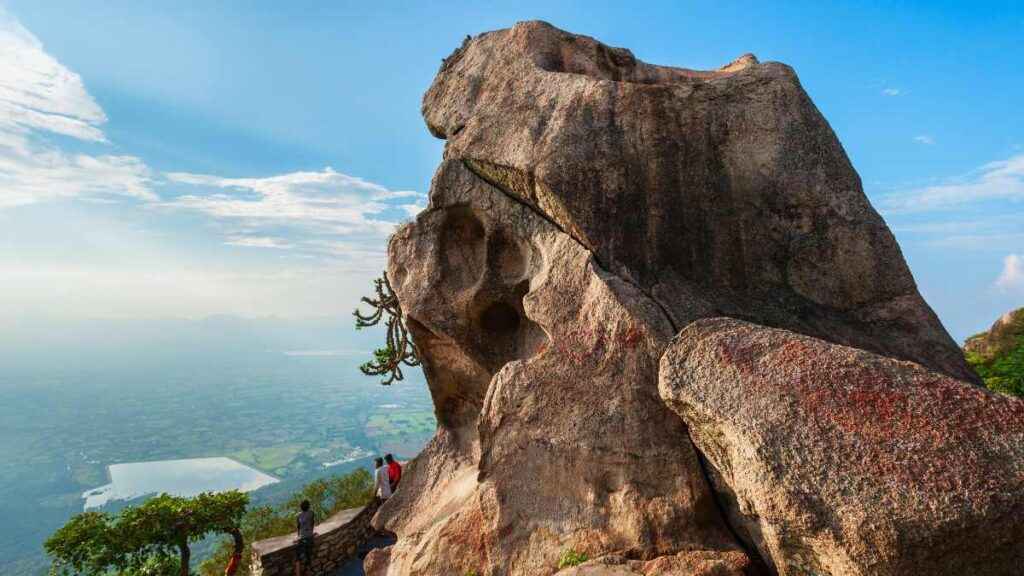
column 588, row 207
column 834, row 460
column 543, row 370
column 721, row 193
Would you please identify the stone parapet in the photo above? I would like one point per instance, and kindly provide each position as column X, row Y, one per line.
column 337, row 540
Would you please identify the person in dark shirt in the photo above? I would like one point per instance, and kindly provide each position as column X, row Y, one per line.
column 394, row 471
column 305, row 524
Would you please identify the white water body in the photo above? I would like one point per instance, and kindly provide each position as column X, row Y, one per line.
column 354, row 454
column 178, row 477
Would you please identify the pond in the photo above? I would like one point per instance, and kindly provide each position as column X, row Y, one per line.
column 178, row 477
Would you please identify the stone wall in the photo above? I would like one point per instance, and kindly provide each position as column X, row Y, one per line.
column 337, row 540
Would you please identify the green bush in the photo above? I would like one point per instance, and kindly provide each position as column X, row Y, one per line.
column 1003, row 372
column 149, row 540
column 571, row 558
column 154, row 539
column 326, row 497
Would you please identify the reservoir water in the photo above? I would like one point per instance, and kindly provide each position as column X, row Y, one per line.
column 178, row 477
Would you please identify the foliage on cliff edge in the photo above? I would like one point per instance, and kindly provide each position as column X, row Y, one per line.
column 998, row 355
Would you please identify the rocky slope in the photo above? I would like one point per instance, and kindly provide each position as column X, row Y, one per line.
column 588, row 207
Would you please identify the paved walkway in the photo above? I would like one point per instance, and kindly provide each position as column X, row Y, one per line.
column 354, row 567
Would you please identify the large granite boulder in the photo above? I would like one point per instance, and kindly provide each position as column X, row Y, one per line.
column 836, row 461
column 543, row 371
column 719, row 193
column 587, row 207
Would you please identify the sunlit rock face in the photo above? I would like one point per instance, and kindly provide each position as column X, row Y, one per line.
column 588, row 207
column 834, row 460
column 543, row 371
column 719, row 193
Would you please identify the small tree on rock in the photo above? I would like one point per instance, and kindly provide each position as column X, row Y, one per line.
column 399, row 348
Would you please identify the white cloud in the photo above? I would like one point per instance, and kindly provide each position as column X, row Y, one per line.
column 892, row 92
column 299, row 243
column 31, row 174
column 1012, row 276
column 926, row 140
column 38, row 93
column 258, row 242
column 326, row 200
column 39, row 97
column 1003, row 180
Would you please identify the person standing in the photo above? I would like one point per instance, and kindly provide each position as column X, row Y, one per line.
column 381, row 482
column 394, row 471
column 305, row 524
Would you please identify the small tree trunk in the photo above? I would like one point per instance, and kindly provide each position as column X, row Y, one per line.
column 236, row 557
column 186, row 557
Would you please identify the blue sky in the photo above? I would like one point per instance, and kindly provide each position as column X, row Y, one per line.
column 187, row 159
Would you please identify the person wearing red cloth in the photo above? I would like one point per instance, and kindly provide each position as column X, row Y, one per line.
column 394, row 471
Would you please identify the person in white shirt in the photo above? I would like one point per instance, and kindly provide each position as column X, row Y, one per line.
column 381, row 483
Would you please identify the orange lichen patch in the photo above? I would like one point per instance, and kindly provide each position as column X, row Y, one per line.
column 631, row 336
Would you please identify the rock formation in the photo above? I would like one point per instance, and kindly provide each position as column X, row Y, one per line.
column 543, row 370
column 1000, row 339
column 589, row 206
column 834, row 460
column 721, row 193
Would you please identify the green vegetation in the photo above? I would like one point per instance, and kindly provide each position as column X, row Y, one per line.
column 153, row 538
column 326, row 497
column 270, row 457
column 1004, row 372
column 571, row 558
column 998, row 355
column 399, row 348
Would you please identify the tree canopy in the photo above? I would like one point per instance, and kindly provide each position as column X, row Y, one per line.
column 150, row 539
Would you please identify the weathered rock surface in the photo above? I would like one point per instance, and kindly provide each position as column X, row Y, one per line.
column 719, row 193
column 838, row 461
column 587, row 207
column 543, row 371
column 690, row 563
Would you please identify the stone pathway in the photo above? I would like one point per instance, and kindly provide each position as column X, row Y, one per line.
column 354, row 567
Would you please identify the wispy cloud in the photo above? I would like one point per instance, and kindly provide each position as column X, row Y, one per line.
column 1002, row 180
column 982, row 232
column 892, row 92
column 1012, row 276
column 923, row 139
column 258, row 242
column 325, row 201
column 39, row 98
column 301, row 242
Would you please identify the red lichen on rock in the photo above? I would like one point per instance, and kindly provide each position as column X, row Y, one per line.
column 826, row 433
